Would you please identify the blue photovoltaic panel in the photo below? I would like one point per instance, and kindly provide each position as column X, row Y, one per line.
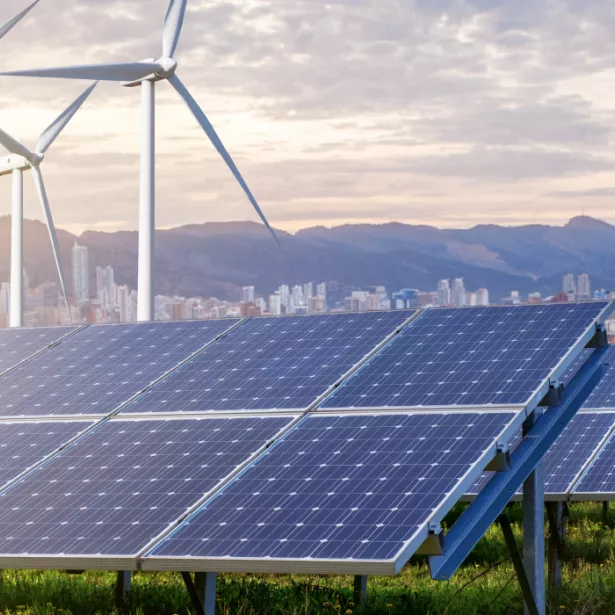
column 272, row 363
column 340, row 487
column 98, row 368
column 16, row 345
column 23, row 445
column 603, row 396
column 469, row 357
column 119, row 486
column 567, row 457
column 599, row 478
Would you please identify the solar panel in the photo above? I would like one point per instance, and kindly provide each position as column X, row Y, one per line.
column 469, row 357
column 123, row 483
column 23, row 445
column 603, row 396
column 358, row 487
column 272, row 363
column 568, row 456
column 100, row 367
column 17, row 345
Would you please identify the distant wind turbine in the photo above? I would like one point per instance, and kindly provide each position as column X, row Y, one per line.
column 146, row 74
column 20, row 160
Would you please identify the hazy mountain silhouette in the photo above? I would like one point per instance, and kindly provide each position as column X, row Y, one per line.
column 218, row 259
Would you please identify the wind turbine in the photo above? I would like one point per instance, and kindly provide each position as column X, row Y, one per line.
column 146, row 73
column 22, row 159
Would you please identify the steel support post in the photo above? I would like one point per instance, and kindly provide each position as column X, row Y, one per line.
column 517, row 560
column 533, row 527
column 360, row 590
column 202, row 592
column 605, row 513
column 122, row 589
column 557, row 538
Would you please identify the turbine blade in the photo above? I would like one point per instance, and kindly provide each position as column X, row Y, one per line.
column 14, row 146
column 57, row 126
column 98, row 72
column 42, row 195
column 173, row 26
column 5, row 29
column 201, row 118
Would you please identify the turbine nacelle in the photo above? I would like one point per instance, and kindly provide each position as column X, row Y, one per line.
column 15, row 162
column 168, row 66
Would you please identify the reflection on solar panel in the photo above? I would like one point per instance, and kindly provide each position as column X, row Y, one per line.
column 22, row 445
column 603, row 396
column 468, row 357
column 272, row 363
column 100, row 367
column 354, row 487
column 121, row 484
column 567, row 457
column 16, row 345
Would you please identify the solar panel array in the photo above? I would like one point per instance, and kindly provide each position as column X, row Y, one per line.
column 17, row 345
column 102, row 366
column 470, row 357
column 243, row 441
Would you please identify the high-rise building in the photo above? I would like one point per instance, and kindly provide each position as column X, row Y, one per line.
column 569, row 286
column 123, row 303
column 248, row 294
column 297, row 299
column 321, row 292
column 459, row 292
column 275, row 304
column 5, row 297
column 81, row 273
column 308, row 290
column 584, row 289
column 106, row 292
column 444, row 292
column 482, row 296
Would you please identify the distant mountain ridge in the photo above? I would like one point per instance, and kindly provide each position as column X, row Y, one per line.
column 217, row 259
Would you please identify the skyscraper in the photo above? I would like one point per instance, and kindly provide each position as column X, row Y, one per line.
column 584, row 289
column 81, row 273
column 105, row 286
column 569, row 286
column 459, row 292
column 444, row 292
column 248, row 294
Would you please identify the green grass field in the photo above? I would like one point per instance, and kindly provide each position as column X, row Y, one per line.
column 486, row 584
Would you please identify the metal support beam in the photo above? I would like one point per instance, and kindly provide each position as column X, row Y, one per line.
column 489, row 503
column 122, row 590
column 515, row 556
column 202, row 592
column 533, row 528
column 557, row 538
column 605, row 513
column 360, row 590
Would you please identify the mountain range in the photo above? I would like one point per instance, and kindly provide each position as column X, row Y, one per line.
column 217, row 259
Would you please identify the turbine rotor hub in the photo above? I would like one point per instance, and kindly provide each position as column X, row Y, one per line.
column 169, row 66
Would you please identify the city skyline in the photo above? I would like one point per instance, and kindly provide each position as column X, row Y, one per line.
column 518, row 136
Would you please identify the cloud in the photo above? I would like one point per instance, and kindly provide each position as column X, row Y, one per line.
column 333, row 109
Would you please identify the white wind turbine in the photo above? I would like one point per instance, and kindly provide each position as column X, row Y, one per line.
column 146, row 73
column 22, row 159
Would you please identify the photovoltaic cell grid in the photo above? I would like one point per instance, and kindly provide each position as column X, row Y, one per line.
column 339, row 487
column 468, row 357
column 272, row 363
column 102, row 366
column 567, row 457
column 603, row 396
column 22, row 445
column 16, row 345
column 119, row 486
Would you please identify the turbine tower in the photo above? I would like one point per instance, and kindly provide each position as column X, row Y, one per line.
column 20, row 160
column 146, row 74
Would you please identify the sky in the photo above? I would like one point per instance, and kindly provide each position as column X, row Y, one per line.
column 443, row 112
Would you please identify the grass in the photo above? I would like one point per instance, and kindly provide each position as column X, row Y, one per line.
column 485, row 585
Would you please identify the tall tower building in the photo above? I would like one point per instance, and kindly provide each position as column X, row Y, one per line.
column 105, row 286
column 81, row 273
column 459, row 292
column 584, row 289
column 248, row 294
column 444, row 292
column 569, row 286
